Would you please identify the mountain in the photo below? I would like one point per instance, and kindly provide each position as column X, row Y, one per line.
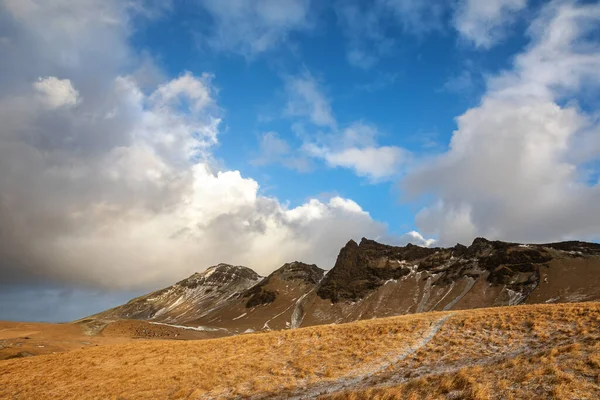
column 375, row 280
column 372, row 280
column 274, row 303
column 234, row 299
column 189, row 299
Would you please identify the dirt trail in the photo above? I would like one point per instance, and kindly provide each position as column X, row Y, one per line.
column 395, row 378
column 356, row 377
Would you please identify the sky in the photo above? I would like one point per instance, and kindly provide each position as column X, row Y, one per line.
column 142, row 140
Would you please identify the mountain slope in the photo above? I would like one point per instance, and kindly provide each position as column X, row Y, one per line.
column 372, row 280
column 274, row 303
column 188, row 299
column 225, row 297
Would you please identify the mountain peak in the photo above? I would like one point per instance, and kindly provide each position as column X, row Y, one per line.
column 228, row 268
column 479, row 240
column 297, row 270
column 294, row 274
column 351, row 243
column 220, row 274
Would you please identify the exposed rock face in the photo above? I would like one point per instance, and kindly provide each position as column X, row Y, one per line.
column 360, row 269
column 294, row 272
column 375, row 280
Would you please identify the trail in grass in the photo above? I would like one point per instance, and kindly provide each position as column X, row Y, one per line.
column 357, row 376
column 395, row 379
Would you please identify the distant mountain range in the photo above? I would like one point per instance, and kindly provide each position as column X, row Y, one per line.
column 372, row 280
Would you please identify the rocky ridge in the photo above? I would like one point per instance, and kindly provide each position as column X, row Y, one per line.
column 371, row 279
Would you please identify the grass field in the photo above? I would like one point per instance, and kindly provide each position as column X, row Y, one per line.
column 541, row 351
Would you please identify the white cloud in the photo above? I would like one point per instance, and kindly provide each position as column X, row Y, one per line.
column 416, row 238
column 375, row 163
column 272, row 146
column 359, row 134
column 196, row 92
column 306, row 99
column 221, row 218
column 55, row 93
column 515, row 169
column 484, row 22
column 121, row 191
column 253, row 27
column 275, row 150
column 355, row 148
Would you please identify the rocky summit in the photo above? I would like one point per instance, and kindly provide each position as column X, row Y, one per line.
column 370, row 280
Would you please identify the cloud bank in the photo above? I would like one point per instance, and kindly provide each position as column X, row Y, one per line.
column 108, row 180
column 520, row 165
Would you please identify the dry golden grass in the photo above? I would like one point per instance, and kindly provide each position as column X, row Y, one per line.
column 565, row 372
column 255, row 362
column 36, row 338
column 544, row 351
column 527, row 352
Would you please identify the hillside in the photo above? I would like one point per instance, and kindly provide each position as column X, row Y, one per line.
column 372, row 280
column 528, row 351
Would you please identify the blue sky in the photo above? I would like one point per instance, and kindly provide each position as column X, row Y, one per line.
column 411, row 95
column 142, row 141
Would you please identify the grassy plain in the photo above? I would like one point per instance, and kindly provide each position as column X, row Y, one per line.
column 533, row 351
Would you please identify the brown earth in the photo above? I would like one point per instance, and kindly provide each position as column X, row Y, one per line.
column 528, row 351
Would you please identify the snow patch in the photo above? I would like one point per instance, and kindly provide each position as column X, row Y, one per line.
column 243, row 315
column 443, row 297
column 576, row 297
column 470, row 283
column 426, row 294
column 266, row 325
column 170, row 307
column 209, row 272
column 514, row 297
column 198, row 328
